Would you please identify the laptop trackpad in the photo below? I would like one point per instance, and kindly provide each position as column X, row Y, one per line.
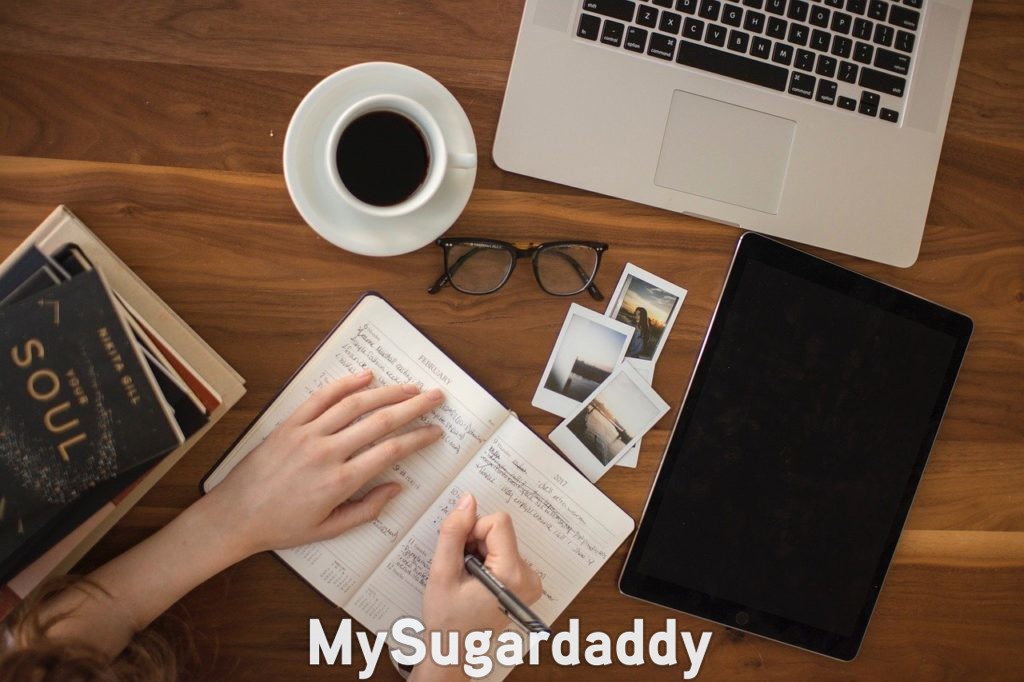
column 725, row 152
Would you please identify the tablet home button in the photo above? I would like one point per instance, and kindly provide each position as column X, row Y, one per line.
column 742, row 618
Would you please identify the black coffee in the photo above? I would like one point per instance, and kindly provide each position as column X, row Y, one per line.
column 382, row 158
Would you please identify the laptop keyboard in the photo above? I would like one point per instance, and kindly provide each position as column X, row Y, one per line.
column 850, row 54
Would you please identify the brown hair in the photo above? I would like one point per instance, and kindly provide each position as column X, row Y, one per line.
column 28, row 654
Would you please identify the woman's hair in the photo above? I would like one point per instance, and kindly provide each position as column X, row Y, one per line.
column 28, row 653
column 643, row 323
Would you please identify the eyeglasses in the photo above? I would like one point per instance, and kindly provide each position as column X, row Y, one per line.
column 482, row 266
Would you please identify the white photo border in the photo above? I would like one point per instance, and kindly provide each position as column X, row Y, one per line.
column 577, row 453
column 636, row 272
column 554, row 402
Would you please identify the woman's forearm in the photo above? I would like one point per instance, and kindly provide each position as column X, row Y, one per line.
column 295, row 488
column 145, row 581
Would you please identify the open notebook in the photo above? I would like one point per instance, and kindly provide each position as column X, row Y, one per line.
column 566, row 527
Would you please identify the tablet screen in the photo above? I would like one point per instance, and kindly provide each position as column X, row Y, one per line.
column 802, row 439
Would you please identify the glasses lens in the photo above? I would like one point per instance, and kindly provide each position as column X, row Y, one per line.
column 565, row 270
column 478, row 268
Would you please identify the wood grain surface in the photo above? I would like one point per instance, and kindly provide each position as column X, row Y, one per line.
column 160, row 124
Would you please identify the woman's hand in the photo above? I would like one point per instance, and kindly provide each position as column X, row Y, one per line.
column 456, row 601
column 295, row 487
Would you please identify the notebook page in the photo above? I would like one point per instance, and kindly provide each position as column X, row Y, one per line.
column 566, row 528
column 375, row 336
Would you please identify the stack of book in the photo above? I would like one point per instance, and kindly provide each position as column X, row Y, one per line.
column 102, row 389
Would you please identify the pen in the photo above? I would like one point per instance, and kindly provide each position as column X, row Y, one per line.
column 512, row 605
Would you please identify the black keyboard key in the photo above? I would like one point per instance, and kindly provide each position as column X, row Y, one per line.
column 884, row 34
column 647, row 16
column 761, row 48
column 667, row 4
column 892, row 61
column 611, row 33
column 848, row 72
column 777, row 28
column 732, row 65
column 709, row 9
column 738, row 41
column 616, row 9
column 868, row 103
column 826, row 91
column 834, row 3
column 732, row 15
column 754, row 21
column 636, row 39
column 693, row 29
column 687, row 6
column 878, row 9
column 802, row 84
column 756, row 4
column 715, row 35
column 889, row 115
column 903, row 17
column 841, row 22
column 798, row 34
column 670, row 22
column 862, row 29
column 856, row 6
column 798, row 10
column 826, row 66
column 863, row 53
column 916, row 4
column 775, row 6
column 821, row 40
column 842, row 47
column 882, row 82
column 589, row 26
column 847, row 103
column 782, row 54
column 804, row 60
column 662, row 46
column 820, row 16
column 904, row 41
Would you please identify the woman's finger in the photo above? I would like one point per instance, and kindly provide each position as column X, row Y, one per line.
column 357, row 512
column 385, row 421
column 496, row 536
column 447, row 564
column 355, row 405
column 330, row 394
column 383, row 455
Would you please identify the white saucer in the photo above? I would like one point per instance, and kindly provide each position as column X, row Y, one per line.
column 316, row 199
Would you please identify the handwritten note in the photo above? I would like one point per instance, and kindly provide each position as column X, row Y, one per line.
column 565, row 527
column 374, row 336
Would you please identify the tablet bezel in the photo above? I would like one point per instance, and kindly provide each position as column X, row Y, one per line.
column 753, row 246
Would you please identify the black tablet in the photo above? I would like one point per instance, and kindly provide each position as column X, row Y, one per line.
column 812, row 409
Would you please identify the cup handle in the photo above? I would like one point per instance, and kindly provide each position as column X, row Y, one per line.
column 462, row 160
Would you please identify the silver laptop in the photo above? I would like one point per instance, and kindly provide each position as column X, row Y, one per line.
column 818, row 121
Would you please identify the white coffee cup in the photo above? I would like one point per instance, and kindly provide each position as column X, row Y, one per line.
column 439, row 157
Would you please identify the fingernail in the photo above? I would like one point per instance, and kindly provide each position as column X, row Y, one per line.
column 365, row 373
column 394, row 492
column 411, row 389
column 464, row 502
column 435, row 395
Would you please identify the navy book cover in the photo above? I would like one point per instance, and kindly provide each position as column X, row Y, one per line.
column 77, row 405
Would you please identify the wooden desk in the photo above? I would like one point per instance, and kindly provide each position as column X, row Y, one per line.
column 161, row 126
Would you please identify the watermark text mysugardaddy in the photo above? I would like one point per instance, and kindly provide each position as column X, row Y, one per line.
column 478, row 652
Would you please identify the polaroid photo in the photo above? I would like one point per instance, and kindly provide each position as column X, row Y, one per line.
column 648, row 304
column 609, row 423
column 589, row 348
column 646, row 372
